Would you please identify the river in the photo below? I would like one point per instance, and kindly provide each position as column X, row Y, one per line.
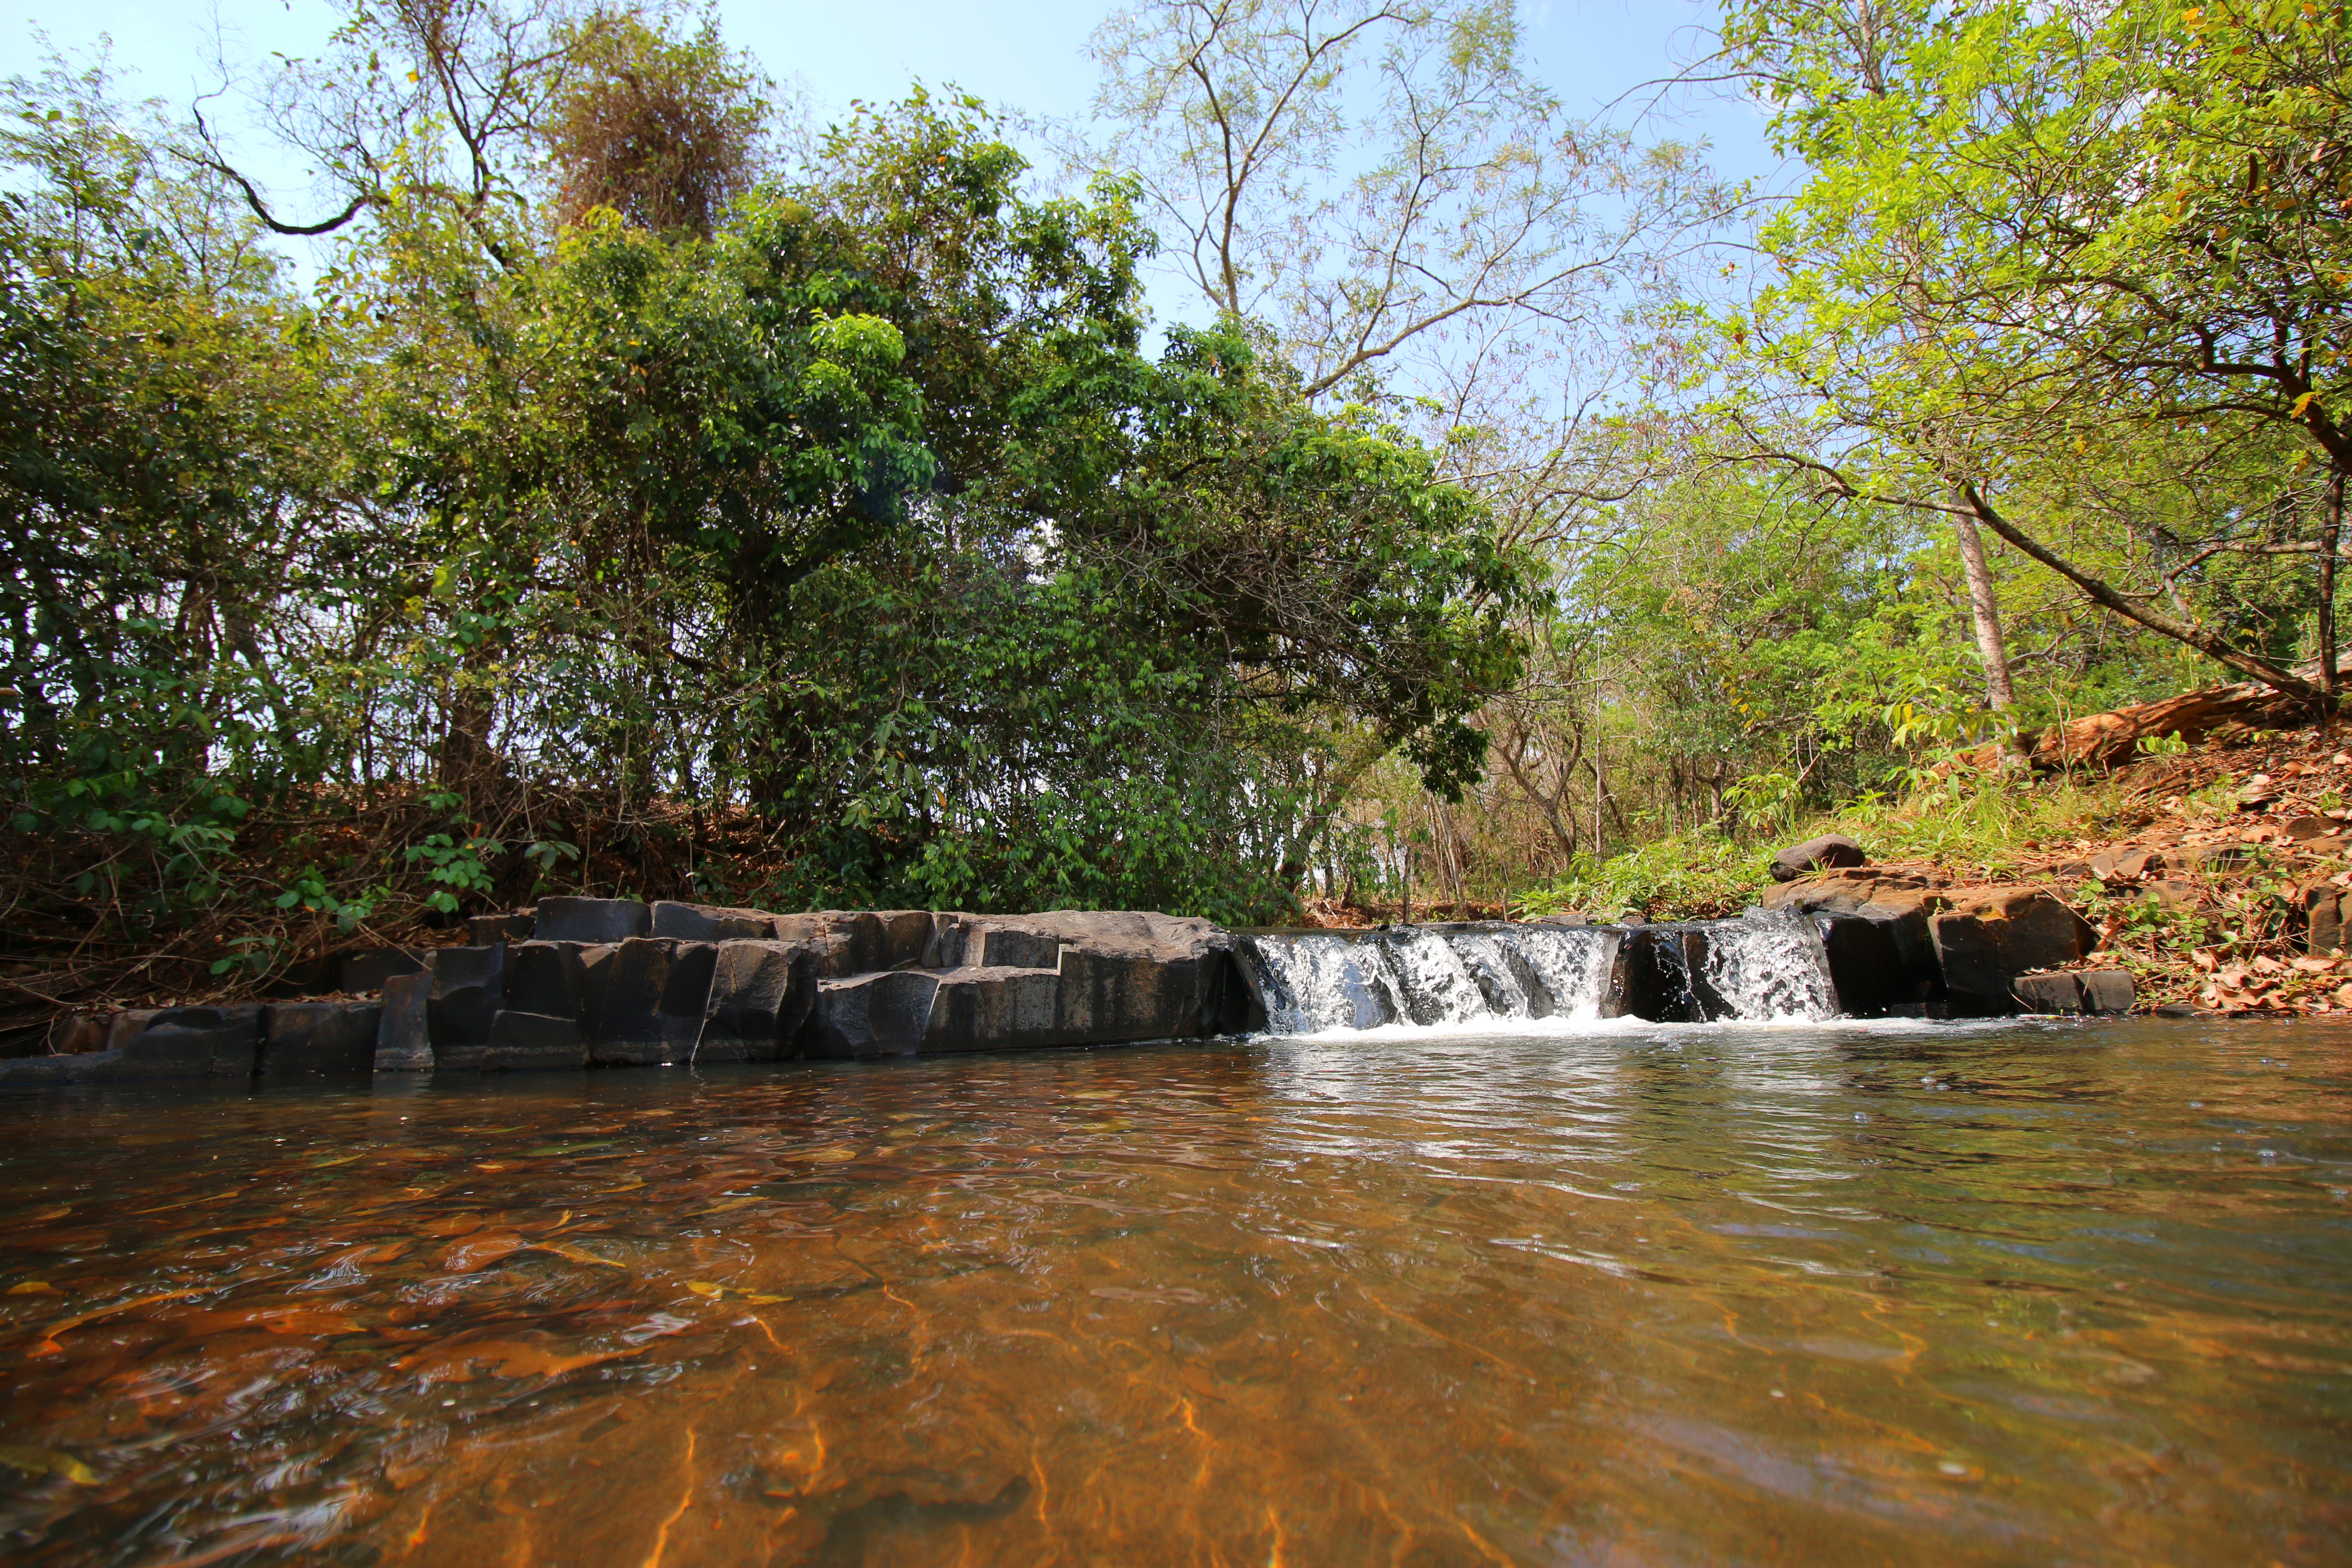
column 1828, row 1295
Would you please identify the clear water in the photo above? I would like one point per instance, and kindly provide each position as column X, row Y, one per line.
column 1821, row 1295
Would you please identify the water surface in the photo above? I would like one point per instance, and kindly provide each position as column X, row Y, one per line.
column 1821, row 1295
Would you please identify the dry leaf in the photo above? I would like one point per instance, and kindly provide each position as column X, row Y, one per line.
column 47, row 1461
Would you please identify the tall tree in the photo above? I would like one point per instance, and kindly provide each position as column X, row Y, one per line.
column 2036, row 232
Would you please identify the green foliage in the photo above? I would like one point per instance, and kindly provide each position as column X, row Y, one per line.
column 848, row 505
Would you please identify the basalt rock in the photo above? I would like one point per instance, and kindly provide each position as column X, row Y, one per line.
column 538, row 1025
column 1870, row 966
column 642, row 1001
column 184, row 1042
column 1830, row 850
column 468, row 989
column 318, row 1039
column 702, row 922
column 884, row 1014
column 364, row 973
column 597, row 921
column 1654, row 979
column 489, row 931
column 404, row 1038
column 2094, row 992
column 761, row 997
column 1998, row 934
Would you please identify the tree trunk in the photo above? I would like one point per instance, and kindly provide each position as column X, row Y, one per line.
column 2133, row 608
column 1985, row 608
column 2331, row 532
column 1599, row 799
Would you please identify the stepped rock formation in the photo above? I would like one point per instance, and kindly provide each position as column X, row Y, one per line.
column 582, row 983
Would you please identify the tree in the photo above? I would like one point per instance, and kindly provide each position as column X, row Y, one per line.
column 1383, row 182
column 2035, row 236
column 665, row 131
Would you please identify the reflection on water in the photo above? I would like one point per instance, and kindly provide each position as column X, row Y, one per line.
column 2022, row 1293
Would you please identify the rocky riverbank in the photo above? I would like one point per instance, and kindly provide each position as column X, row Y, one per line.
column 2220, row 879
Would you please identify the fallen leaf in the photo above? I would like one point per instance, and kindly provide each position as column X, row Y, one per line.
column 48, row 1462
column 704, row 1288
column 447, row 1362
column 577, row 1254
column 2266, row 965
column 2315, row 966
column 480, row 1252
column 35, row 1287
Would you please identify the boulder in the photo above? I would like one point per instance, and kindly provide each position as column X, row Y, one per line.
column 404, row 1040
column 1829, row 851
column 1999, row 934
column 1564, row 918
column 884, row 1014
column 704, row 922
column 760, row 996
column 318, row 1039
column 2091, row 992
column 363, row 973
column 184, row 1042
column 468, row 989
column 594, row 921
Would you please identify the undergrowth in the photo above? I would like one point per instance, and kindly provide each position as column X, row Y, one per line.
column 1975, row 827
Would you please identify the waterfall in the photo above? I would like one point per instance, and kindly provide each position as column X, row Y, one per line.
column 1577, row 965
column 1312, row 983
column 1763, row 967
column 1770, row 964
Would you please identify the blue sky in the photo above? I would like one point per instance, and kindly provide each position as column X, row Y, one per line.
column 1028, row 57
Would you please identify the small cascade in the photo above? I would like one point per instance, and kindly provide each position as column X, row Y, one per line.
column 1503, row 975
column 1438, row 987
column 1311, row 983
column 1576, row 965
column 1763, row 967
column 1769, row 965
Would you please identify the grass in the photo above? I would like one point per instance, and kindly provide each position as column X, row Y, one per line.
column 1976, row 828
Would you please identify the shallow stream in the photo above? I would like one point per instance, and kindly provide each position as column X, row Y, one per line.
column 1820, row 1294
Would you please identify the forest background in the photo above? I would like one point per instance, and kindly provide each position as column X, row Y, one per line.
column 633, row 484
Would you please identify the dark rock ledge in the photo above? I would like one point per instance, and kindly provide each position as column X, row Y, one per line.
column 614, row 982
